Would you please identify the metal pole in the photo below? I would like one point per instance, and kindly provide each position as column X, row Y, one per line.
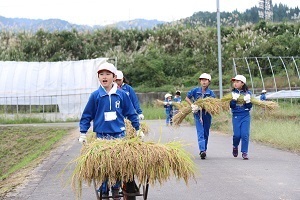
column 219, row 49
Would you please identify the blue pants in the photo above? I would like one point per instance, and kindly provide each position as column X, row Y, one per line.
column 105, row 189
column 169, row 117
column 202, row 128
column 241, row 131
column 110, row 136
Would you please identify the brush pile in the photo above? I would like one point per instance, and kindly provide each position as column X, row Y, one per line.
column 121, row 159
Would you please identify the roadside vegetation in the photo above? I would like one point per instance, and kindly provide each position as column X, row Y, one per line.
column 23, row 146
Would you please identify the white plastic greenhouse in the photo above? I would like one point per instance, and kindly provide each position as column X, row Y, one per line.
column 65, row 85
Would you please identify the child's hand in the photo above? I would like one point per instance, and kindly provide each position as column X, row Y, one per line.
column 195, row 108
column 141, row 116
column 235, row 96
column 140, row 134
column 247, row 98
column 82, row 138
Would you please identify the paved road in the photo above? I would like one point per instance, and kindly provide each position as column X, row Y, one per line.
column 269, row 174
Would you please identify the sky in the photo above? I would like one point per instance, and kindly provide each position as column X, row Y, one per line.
column 97, row 12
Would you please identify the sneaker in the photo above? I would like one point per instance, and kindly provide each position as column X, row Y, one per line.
column 235, row 151
column 202, row 154
column 245, row 156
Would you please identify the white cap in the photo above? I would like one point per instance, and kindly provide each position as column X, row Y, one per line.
column 107, row 66
column 239, row 78
column 205, row 76
column 119, row 74
column 168, row 95
column 263, row 91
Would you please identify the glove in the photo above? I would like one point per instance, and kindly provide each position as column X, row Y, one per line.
column 195, row 108
column 247, row 98
column 82, row 138
column 140, row 134
column 235, row 95
column 141, row 116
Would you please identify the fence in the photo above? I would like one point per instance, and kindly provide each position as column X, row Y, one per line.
column 55, row 107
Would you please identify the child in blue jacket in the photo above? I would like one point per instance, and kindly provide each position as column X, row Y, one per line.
column 168, row 109
column 240, row 116
column 263, row 95
column 177, row 99
column 120, row 80
column 201, row 117
column 107, row 107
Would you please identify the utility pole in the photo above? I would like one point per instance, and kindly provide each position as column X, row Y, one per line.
column 219, row 50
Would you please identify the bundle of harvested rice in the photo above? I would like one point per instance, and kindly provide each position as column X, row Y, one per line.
column 131, row 132
column 268, row 105
column 175, row 104
column 211, row 105
column 121, row 159
column 181, row 115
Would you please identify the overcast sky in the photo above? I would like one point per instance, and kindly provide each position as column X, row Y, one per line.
column 97, row 12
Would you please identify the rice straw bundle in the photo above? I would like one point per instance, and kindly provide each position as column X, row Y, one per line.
column 131, row 132
column 181, row 115
column 268, row 105
column 211, row 105
column 176, row 104
column 121, row 159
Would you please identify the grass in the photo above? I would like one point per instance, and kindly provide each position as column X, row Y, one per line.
column 279, row 129
column 282, row 134
column 19, row 146
column 153, row 112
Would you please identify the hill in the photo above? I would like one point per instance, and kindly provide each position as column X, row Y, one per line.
column 51, row 25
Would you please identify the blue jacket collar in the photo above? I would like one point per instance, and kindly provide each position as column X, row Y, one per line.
column 103, row 92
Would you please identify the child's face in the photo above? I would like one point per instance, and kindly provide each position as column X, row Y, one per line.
column 169, row 98
column 204, row 82
column 106, row 78
column 237, row 84
column 119, row 82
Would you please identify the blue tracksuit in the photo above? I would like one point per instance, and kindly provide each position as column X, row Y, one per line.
column 241, row 122
column 202, row 118
column 263, row 97
column 107, row 111
column 169, row 111
column 133, row 97
column 178, row 100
